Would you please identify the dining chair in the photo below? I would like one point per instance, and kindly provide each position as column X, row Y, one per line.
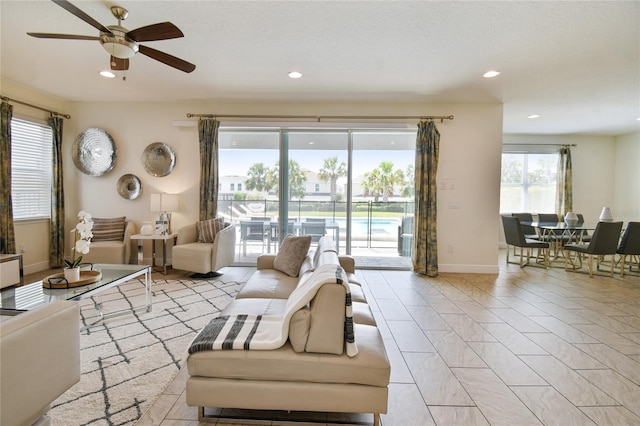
column 629, row 245
column 548, row 217
column 514, row 236
column 557, row 240
column 604, row 242
column 529, row 231
column 584, row 237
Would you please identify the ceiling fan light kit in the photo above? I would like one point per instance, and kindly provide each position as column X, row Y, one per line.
column 121, row 43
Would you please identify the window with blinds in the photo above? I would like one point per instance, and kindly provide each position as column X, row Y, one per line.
column 30, row 169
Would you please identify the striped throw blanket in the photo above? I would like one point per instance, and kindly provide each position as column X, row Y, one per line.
column 265, row 332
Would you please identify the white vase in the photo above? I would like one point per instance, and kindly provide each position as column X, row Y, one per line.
column 147, row 228
column 571, row 219
column 72, row 275
column 606, row 215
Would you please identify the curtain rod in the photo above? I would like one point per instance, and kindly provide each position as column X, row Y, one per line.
column 541, row 144
column 4, row 98
column 325, row 117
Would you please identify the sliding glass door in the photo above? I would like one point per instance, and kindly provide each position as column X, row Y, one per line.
column 354, row 185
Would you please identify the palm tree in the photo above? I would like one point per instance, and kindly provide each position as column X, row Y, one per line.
column 297, row 179
column 258, row 177
column 331, row 171
column 408, row 184
column 381, row 181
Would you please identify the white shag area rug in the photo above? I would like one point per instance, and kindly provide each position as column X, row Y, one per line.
column 127, row 361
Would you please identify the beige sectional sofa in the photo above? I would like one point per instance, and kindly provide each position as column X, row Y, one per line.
column 311, row 371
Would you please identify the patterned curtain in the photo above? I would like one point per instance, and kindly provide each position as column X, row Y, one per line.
column 56, row 234
column 208, row 132
column 425, row 242
column 564, row 183
column 6, row 218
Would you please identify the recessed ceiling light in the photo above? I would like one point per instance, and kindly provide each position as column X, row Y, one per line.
column 295, row 74
column 107, row 74
column 312, row 143
column 638, row 118
column 491, row 73
column 534, row 116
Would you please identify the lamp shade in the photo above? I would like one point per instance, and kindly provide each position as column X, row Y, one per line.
column 164, row 202
column 169, row 202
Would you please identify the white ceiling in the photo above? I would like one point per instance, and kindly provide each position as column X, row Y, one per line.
column 575, row 63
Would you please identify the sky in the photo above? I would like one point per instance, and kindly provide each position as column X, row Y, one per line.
column 236, row 162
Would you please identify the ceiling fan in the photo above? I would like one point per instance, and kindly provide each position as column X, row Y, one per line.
column 123, row 44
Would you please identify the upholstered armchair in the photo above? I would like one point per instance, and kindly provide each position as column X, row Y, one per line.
column 111, row 242
column 204, row 258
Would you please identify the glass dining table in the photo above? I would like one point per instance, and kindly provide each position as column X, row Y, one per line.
column 557, row 234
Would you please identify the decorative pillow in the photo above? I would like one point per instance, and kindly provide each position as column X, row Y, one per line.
column 108, row 229
column 207, row 229
column 291, row 255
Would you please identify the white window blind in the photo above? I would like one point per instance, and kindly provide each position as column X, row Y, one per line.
column 30, row 169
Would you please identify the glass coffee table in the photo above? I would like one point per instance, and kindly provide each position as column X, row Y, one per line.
column 30, row 296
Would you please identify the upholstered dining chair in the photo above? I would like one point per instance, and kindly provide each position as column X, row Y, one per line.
column 529, row 231
column 629, row 244
column 514, row 236
column 604, row 242
column 548, row 217
column 584, row 237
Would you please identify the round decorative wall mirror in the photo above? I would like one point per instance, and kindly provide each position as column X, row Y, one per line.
column 158, row 159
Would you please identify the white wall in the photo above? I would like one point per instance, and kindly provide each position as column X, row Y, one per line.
column 594, row 165
column 470, row 157
column 470, row 149
column 626, row 205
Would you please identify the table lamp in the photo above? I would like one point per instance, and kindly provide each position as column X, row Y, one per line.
column 165, row 204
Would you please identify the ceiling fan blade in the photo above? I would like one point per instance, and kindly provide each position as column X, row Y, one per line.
column 63, row 36
column 160, row 31
column 80, row 14
column 118, row 64
column 165, row 58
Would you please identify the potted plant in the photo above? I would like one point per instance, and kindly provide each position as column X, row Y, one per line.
column 83, row 234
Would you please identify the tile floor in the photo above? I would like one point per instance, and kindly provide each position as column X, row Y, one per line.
column 524, row 347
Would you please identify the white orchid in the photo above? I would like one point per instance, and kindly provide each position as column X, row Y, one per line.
column 83, row 234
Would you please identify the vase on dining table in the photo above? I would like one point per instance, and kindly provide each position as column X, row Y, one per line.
column 605, row 215
column 571, row 219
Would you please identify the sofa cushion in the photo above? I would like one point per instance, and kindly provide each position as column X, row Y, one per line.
column 291, row 255
column 268, row 284
column 207, row 229
column 108, row 229
column 299, row 329
column 370, row 367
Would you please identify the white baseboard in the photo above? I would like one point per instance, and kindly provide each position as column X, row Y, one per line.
column 36, row 267
column 468, row 269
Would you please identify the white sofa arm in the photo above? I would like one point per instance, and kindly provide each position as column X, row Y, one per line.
column 224, row 247
column 40, row 352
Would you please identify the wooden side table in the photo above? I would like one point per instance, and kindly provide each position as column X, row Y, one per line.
column 11, row 272
column 154, row 238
